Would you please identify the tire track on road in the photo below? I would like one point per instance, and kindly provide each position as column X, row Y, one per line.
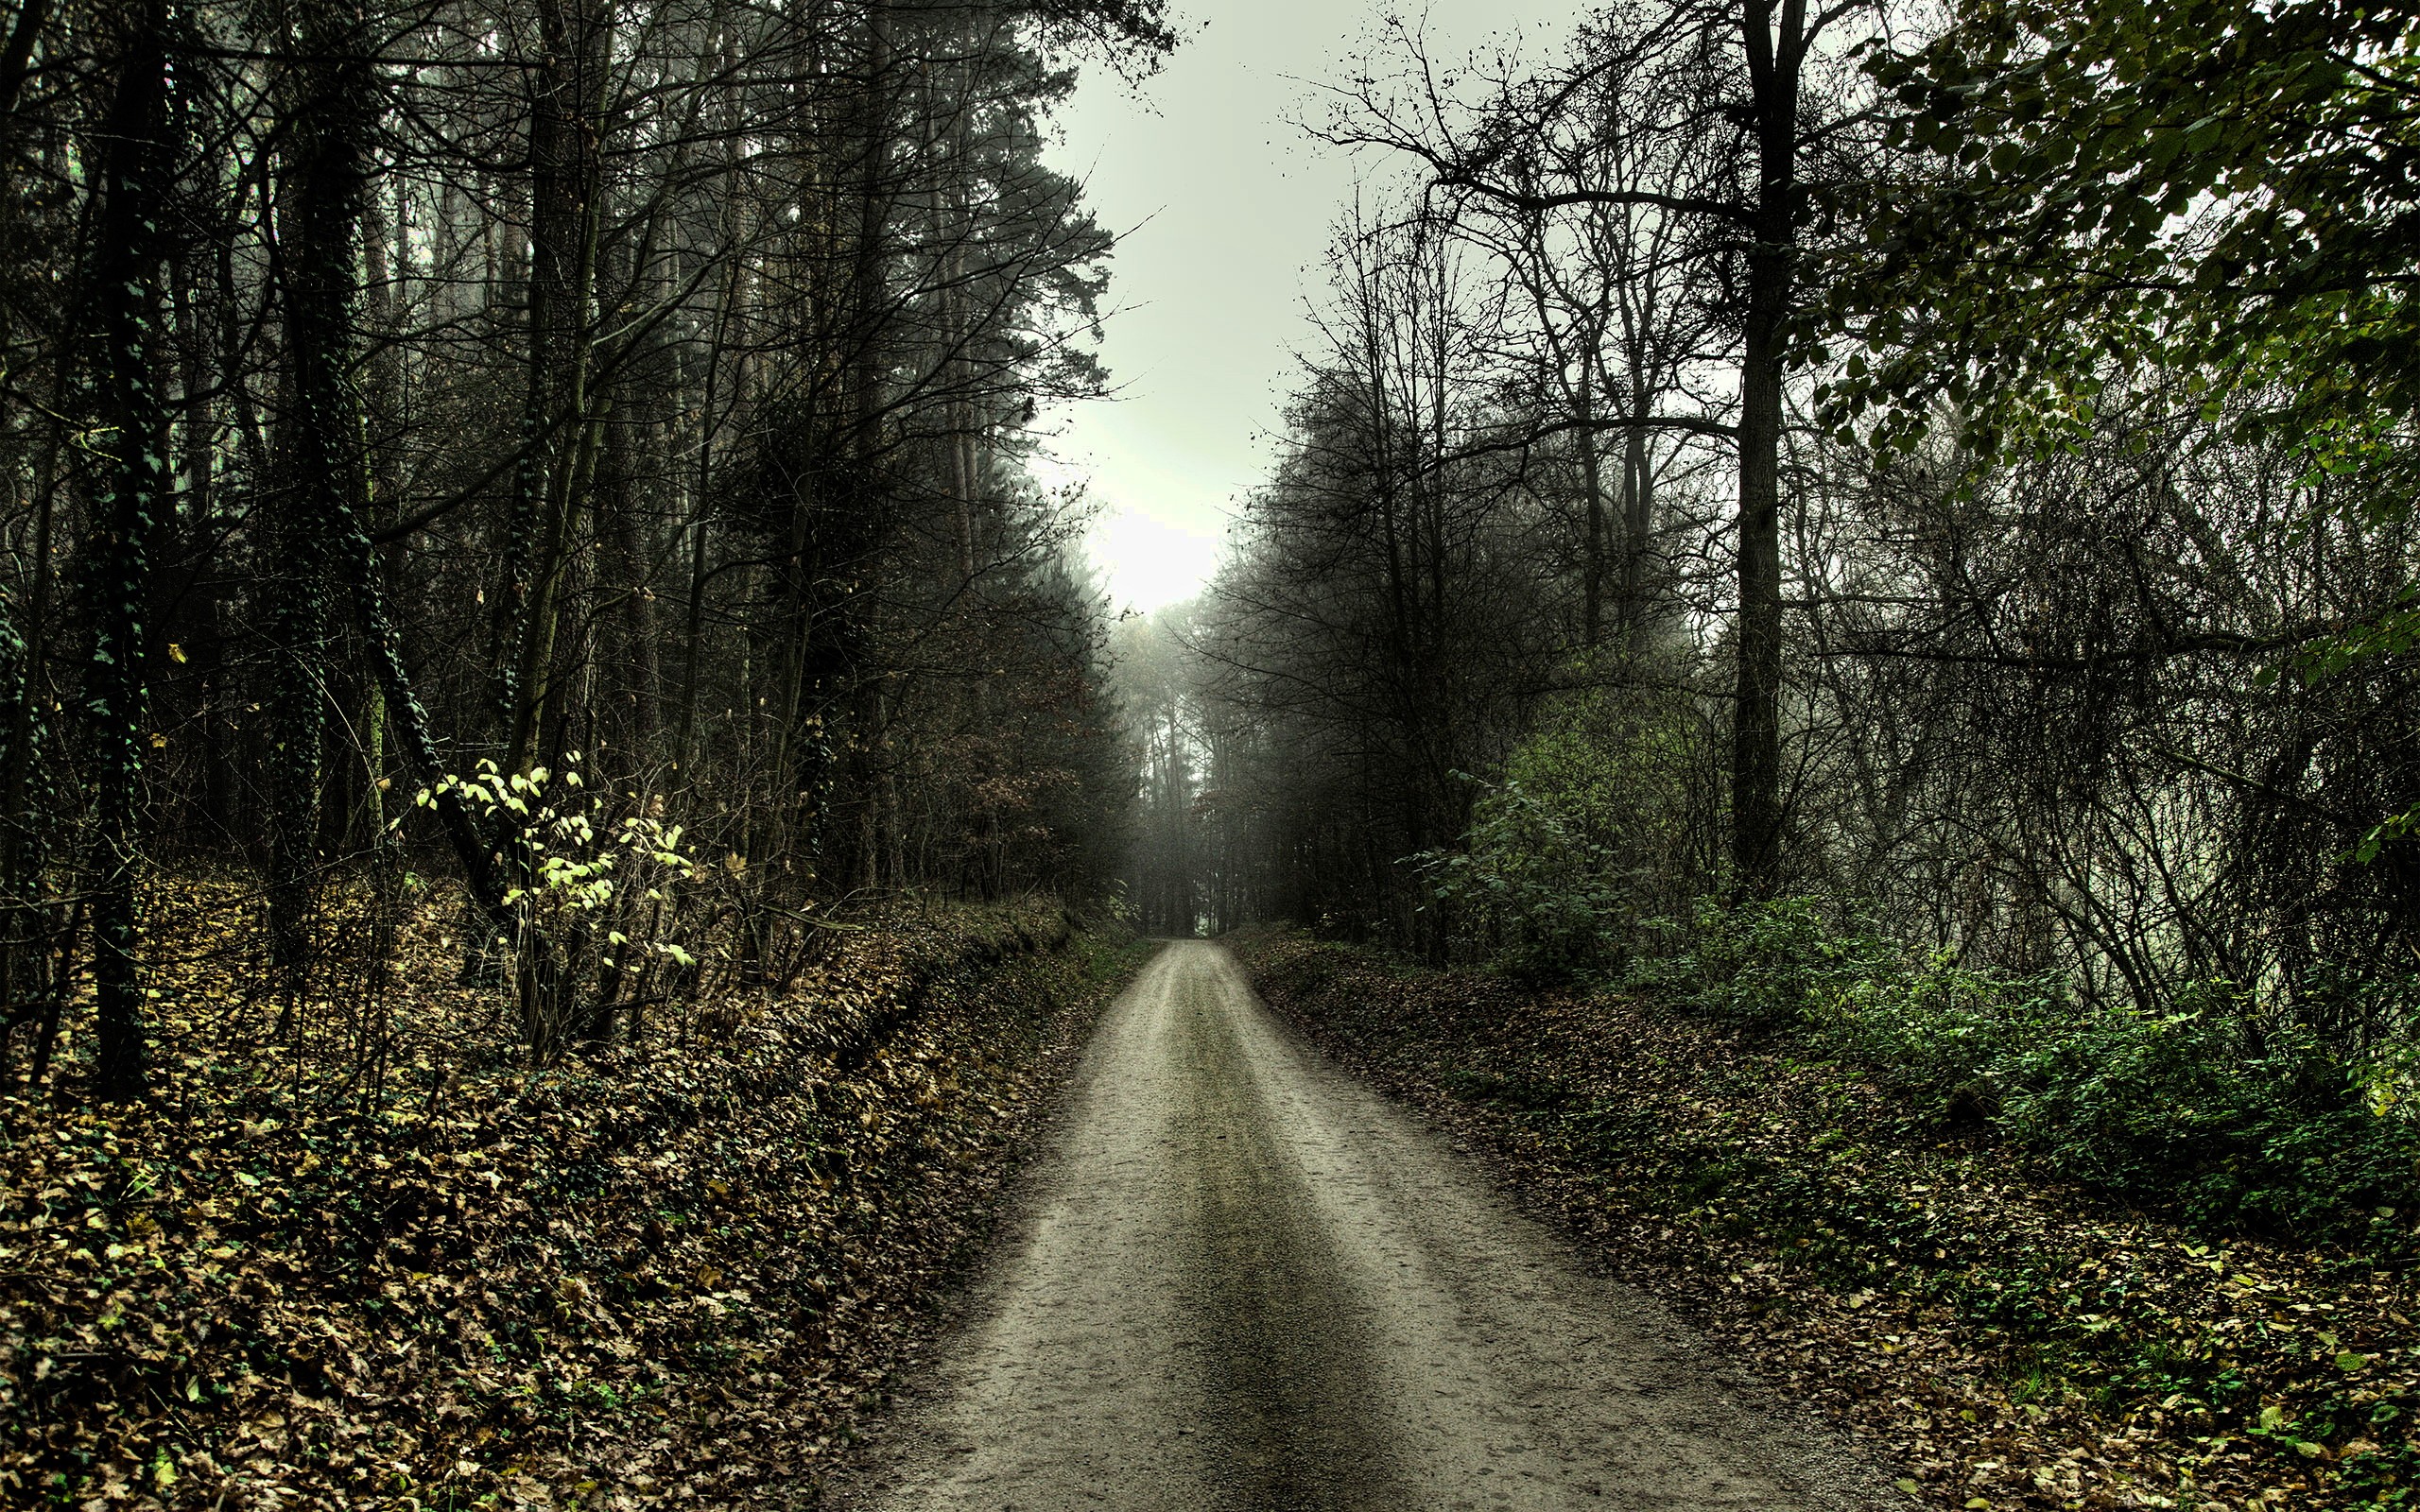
column 1246, row 1282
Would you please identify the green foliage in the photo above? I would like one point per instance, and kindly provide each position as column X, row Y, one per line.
column 1930, row 1021
column 2218, row 187
column 1534, row 881
column 1759, row 963
column 2212, row 201
column 2228, row 1118
column 1586, row 830
column 2217, row 1106
column 2187, row 1109
column 571, row 860
column 596, row 900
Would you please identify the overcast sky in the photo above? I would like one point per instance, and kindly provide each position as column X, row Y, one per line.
column 1222, row 209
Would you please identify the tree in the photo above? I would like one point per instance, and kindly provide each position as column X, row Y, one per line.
column 135, row 149
column 1728, row 95
column 379, row 440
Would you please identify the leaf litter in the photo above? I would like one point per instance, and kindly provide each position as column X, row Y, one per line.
column 678, row 1272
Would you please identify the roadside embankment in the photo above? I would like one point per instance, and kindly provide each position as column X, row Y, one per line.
column 2010, row 1341
column 669, row 1272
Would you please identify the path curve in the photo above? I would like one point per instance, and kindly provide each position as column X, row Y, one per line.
column 1246, row 1282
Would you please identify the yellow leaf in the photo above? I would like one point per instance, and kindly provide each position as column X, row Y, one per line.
column 176, row 652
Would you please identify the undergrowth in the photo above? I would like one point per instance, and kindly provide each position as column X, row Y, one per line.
column 2228, row 1118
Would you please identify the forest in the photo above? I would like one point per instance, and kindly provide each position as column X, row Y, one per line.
column 518, row 541
column 1833, row 621
column 604, row 424
column 1899, row 525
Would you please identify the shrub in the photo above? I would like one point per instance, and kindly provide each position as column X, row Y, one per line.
column 595, row 903
column 1765, row 963
column 2188, row 1109
column 1533, row 884
column 2207, row 1109
column 1588, row 832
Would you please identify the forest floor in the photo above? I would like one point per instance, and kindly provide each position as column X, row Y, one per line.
column 1242, row 1281
column 2007, row 1342
column 677, row 1272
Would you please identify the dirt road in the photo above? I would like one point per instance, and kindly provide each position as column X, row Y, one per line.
column 1246, row 1282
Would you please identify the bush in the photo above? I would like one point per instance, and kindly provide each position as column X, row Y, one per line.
column 594, row 902
column 1588, row 832
column 2187, row 1109
column 2207, row 1109
column 2212, row 1107
column 1537, row 889
column 1766, row 964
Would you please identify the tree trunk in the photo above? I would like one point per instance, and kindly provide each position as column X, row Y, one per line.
column 1592, row 613
column 135, row 176
column 1755, row 767
column 332, row 112
column 564, row 190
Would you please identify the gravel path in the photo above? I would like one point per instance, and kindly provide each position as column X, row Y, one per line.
column 1244, row 1281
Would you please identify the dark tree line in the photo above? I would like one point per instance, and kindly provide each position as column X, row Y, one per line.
column 1955, row 475
column 487, row 436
